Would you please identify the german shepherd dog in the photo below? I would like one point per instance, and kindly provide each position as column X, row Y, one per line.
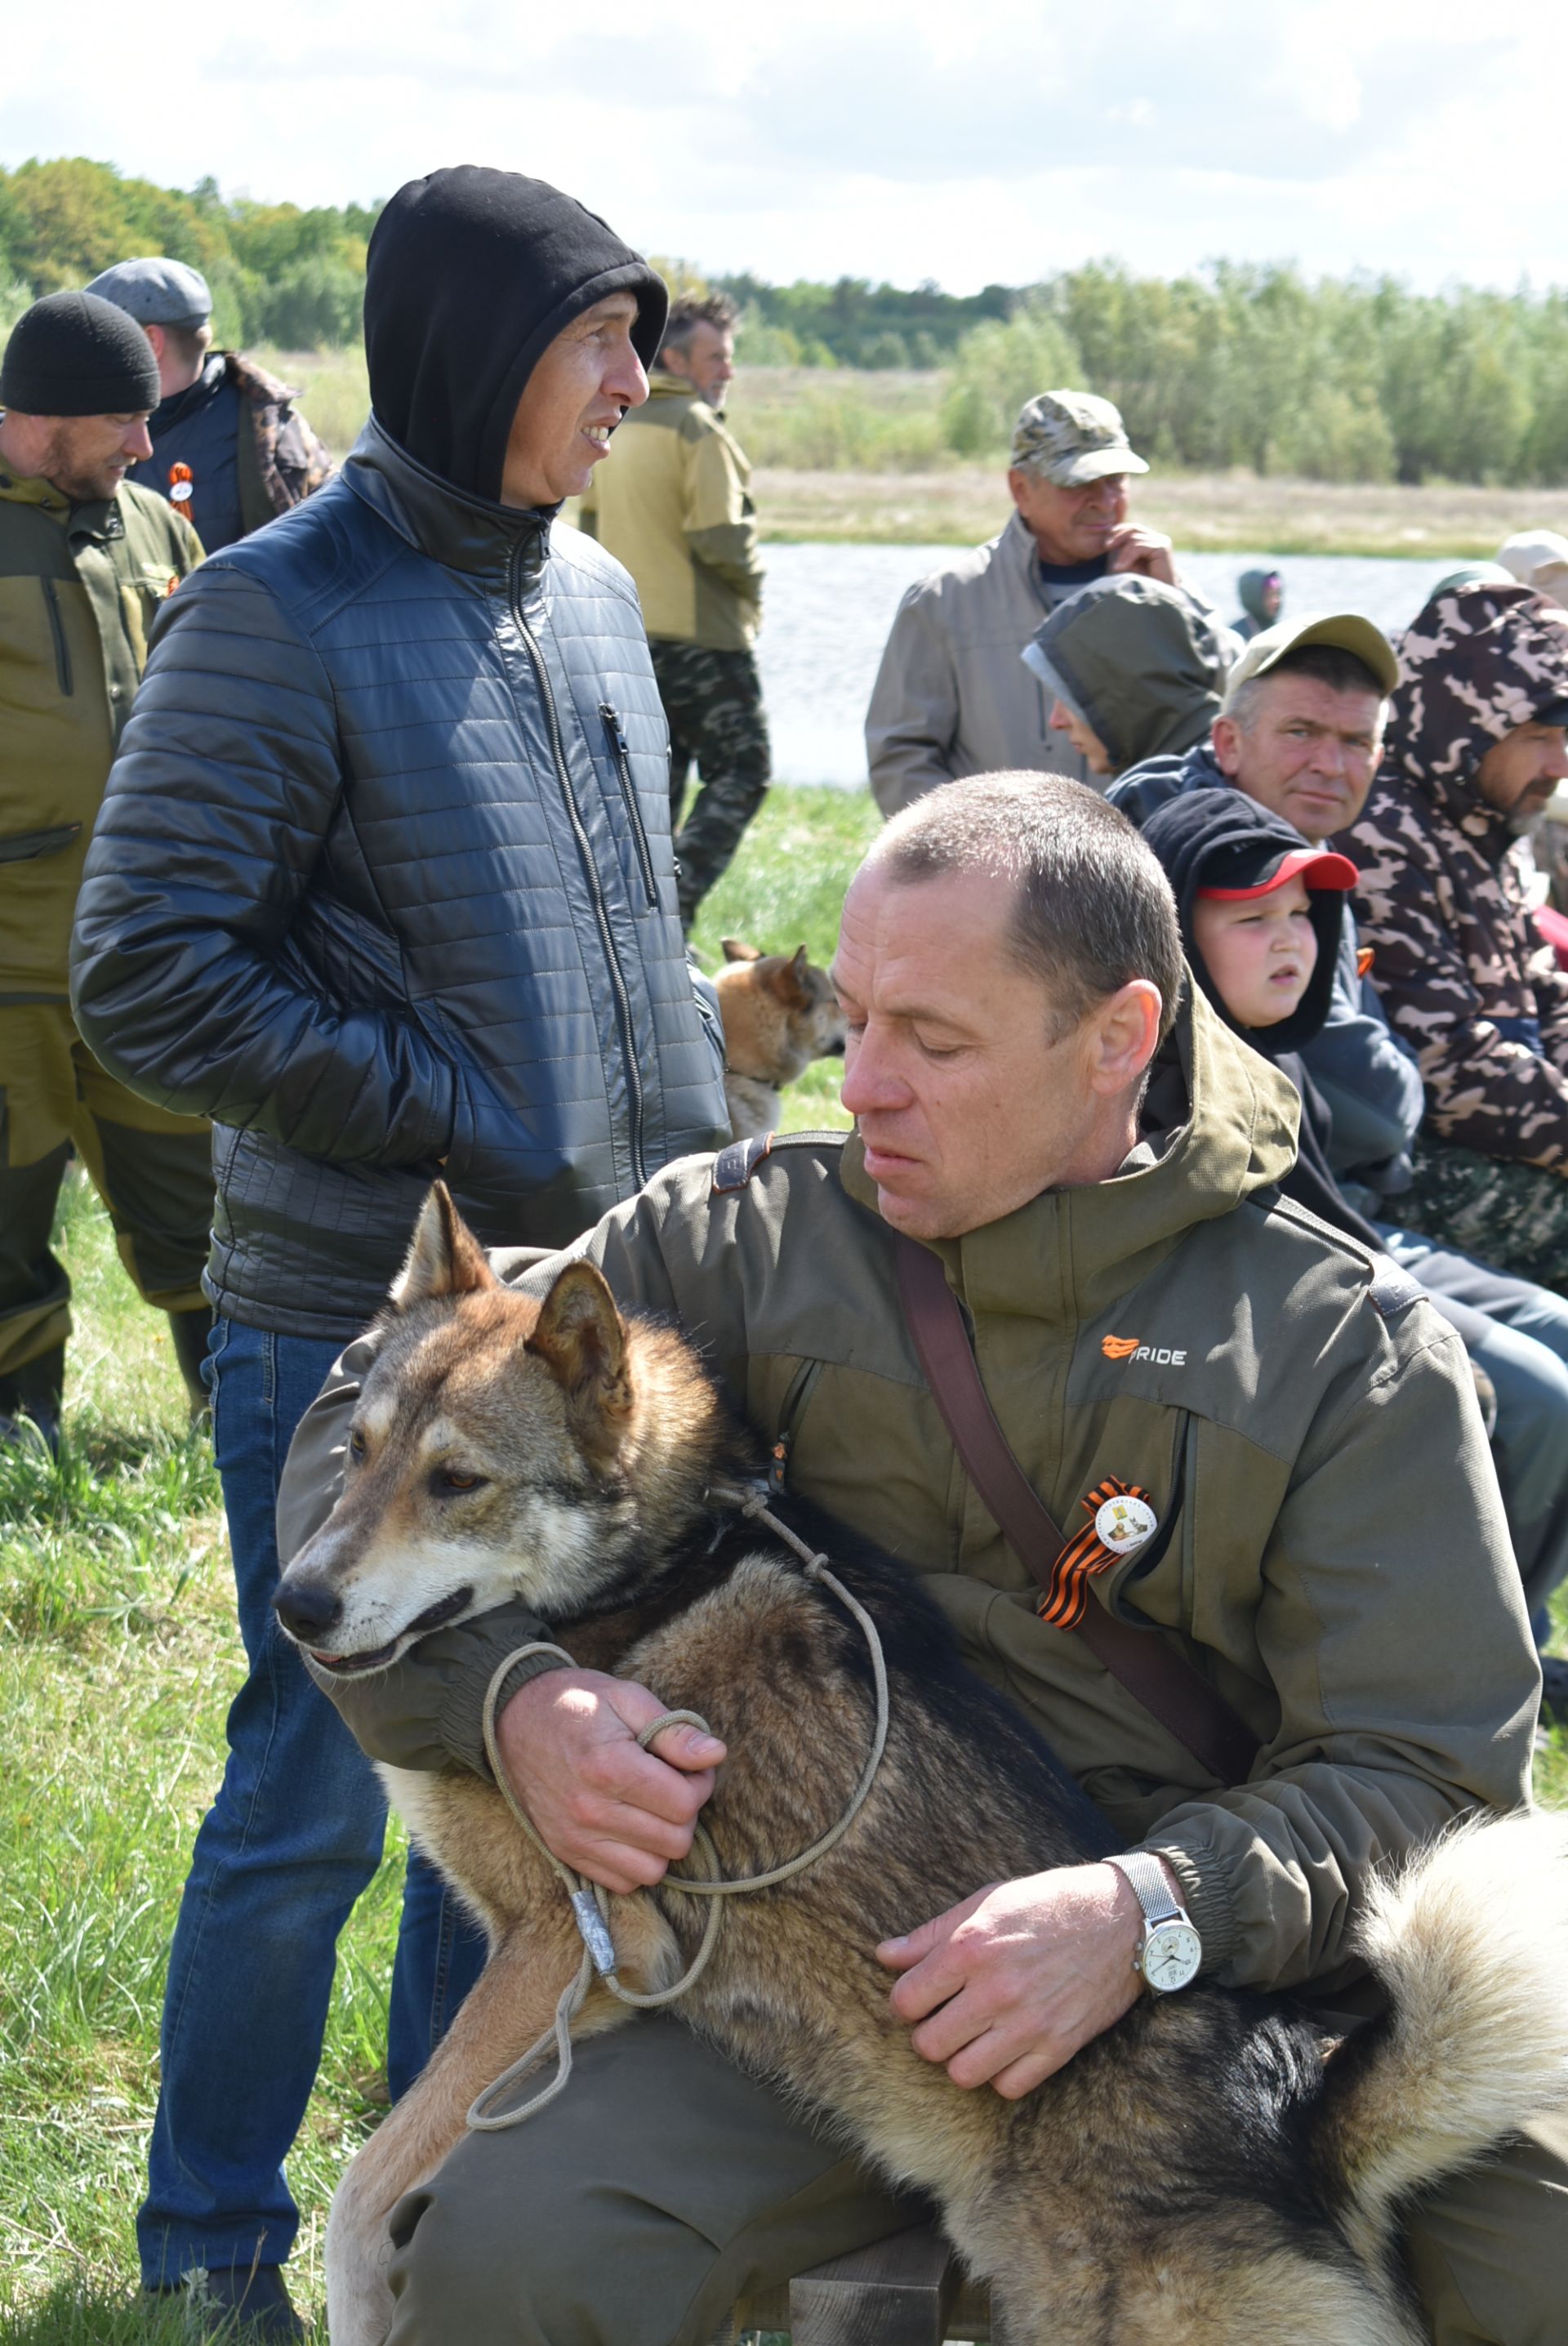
column 779, row 1012
column 1209, row 2172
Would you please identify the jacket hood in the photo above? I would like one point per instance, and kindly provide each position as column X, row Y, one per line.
column 1249, row 588
column 1192, row 834
column 1142, row 788
column 1220, row 1127
column 1138, row 660
column 470, row 275
column 1475, row 664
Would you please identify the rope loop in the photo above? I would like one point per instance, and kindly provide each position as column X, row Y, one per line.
column 590, row 1901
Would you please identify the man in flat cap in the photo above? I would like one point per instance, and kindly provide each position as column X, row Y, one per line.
column 248, row 451
column 86, row 562
column 953, row 696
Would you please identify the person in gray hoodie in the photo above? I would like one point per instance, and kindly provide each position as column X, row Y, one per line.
column 1261, row 593
column 1134, row 670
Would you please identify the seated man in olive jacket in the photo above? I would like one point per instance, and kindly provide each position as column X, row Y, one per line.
column 1329, row 1547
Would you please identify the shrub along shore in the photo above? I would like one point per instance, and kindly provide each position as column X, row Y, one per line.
column 855, row 456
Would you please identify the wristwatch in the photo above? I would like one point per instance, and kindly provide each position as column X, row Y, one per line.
column 1170, row 1951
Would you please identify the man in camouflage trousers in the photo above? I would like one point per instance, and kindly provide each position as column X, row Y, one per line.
column 85, row 563
column 675, row 506
column 1477, row 743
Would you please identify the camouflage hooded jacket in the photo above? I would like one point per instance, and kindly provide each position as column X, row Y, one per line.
column 281, row 462
column 1463, row 976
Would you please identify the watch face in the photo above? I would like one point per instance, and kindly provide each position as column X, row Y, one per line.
column 1172, row 1953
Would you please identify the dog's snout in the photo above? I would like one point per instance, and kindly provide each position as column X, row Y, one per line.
column 836, row 1048
column 306, row 1608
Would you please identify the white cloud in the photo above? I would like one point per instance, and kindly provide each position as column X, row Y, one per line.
column 991, row 142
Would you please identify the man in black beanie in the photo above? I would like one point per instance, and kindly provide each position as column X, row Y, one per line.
column 86, row 562
column 383, row 884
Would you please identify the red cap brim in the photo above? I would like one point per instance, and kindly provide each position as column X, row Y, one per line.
column 1316, row 866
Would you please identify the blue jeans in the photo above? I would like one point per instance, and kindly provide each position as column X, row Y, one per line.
column 292, row 1838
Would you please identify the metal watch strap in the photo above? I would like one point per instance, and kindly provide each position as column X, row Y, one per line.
column 1147, row 1877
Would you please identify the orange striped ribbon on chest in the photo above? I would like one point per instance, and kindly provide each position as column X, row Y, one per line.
column 1064, row 1602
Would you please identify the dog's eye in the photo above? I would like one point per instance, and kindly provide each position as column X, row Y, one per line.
column 448, row 1478
column 357, row 1445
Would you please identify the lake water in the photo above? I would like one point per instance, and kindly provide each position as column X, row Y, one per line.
column 829, row 608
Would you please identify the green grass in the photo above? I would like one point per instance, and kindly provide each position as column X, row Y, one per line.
column 119, row 1656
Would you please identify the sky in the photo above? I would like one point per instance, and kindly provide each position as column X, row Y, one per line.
column 975, row 142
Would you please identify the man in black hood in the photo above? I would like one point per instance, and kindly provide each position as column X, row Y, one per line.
column 383, row 884
column 1247, row 888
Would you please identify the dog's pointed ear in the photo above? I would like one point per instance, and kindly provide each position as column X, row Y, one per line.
column 445, row 1258
column 581, row 1338
column 733, row 950
column 789, row 981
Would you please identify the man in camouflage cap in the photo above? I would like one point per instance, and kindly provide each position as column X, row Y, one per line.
column 1477, row 743
column 953, row 696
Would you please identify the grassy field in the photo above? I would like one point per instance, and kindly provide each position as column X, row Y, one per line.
column 858, row 457
column 117, row 1659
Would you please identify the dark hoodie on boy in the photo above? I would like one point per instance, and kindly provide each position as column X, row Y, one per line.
column 1220, row 839
column 383, row 881
column 1461, row 974
column 1366, row 1075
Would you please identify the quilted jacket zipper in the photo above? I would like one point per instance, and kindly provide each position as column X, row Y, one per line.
column 621, row 760
column 585, row 849
column 57, row 629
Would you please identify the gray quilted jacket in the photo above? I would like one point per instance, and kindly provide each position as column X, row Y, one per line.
column 383, row 884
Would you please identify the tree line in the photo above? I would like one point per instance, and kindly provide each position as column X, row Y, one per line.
column 1356, row 378
column 1338, row 379
column 278, row 273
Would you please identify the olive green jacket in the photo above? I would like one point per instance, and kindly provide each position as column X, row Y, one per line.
column 1331, row 1552
column 80, row 587
column 673, row 502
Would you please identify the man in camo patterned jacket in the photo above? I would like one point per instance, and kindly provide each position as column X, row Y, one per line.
column 1476, row 745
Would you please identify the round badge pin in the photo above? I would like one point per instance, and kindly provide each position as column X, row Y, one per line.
column 1122, row 1524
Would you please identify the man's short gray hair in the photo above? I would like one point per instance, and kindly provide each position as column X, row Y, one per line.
column 1329, row 664
column 1095, row 909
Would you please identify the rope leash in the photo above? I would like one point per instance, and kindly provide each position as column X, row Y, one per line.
column 590, row 1901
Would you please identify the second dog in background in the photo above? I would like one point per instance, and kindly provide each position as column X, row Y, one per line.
column 779, row 1012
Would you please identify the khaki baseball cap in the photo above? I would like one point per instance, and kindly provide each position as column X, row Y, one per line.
column 1347, row 631
column 1072, row 438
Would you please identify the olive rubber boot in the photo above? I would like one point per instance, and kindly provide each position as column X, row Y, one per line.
column 190, row 1331
column 33, row 1392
